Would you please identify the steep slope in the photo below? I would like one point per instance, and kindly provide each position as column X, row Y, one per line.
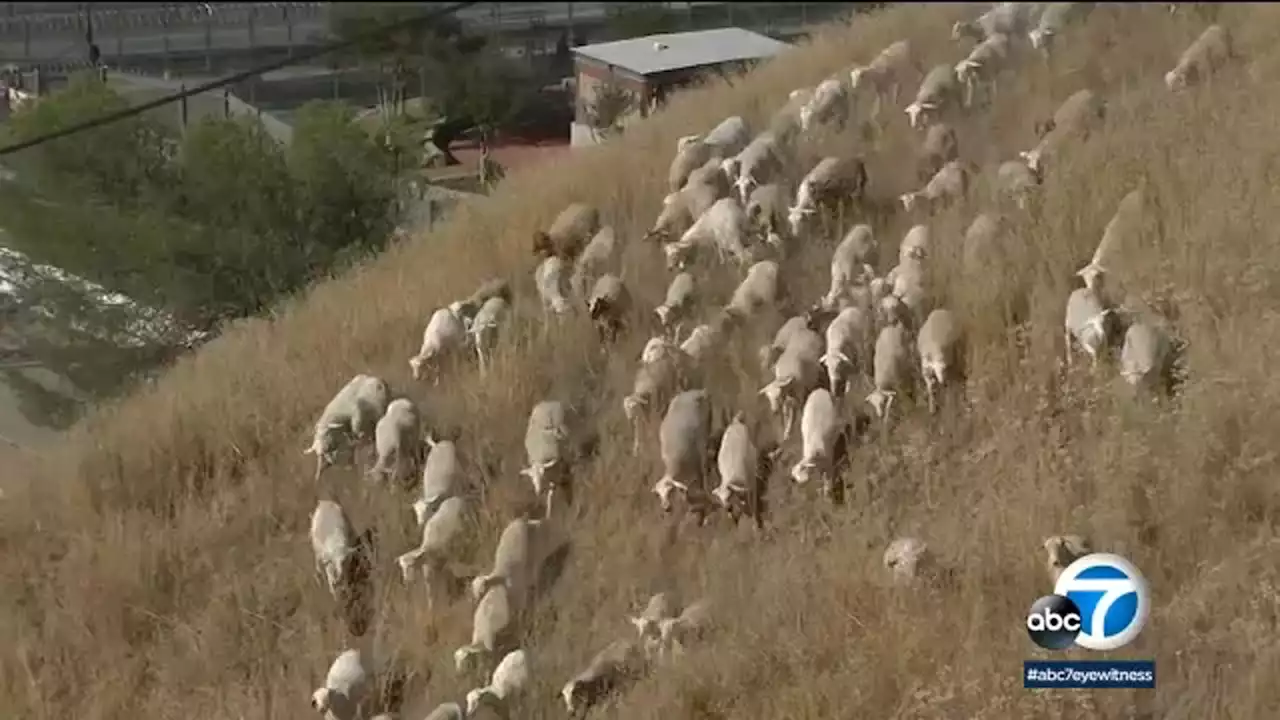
column 159, row 568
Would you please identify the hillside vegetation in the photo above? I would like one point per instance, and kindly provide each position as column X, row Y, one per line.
column 158, row 566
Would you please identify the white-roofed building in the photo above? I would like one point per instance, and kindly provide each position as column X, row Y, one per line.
column 650, row 66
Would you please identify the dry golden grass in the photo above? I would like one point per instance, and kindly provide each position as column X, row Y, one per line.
column 158, row 567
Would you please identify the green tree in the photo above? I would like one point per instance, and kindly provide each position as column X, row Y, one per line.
column 638, row 19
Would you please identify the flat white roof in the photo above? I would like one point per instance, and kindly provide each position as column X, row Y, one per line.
column 655, row 54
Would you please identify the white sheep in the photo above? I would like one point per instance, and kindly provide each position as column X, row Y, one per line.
column 681, row 297
column 1054, row 20
column 769, row 353
column 601, row 255
column 440, row 535
column 352, row 413
column 729, row 137
column 619, row 662
column 1008, row 18
column 847, row 336
column 723, row 228
column 885, row 74
column 1123, row 226
column 682, row 445
column 484, row 329
column 819, row 428
column 552, row 284
column 1146, row 357
column 949, row 184
column 794, row 374
column 569, row 232
column 333, row 542
column 659, row 606
column 829, row 104
column 785, row 122
column 654, row 385
column 679, row 209
column 761, row 161
column 736, row 463
column 706, row 184
column 523, row 548
column 1018, row 181
column 1209, row 52
column 1074, row 118
column 940, row 147
column 766, row 212
column 508, row 682
column 675, row 634
column 440, row 478
column 915, row 245
column 891, row 368
column 983, row 65
column 545, row 445
column 980, row 242
column 609, row 305
column 1061, row 551
column 656, row 348
column 691, row 153
column 760, row 289
column 398, row 440
column 939, row 346
column 493, row 627
column 911, row 291
column 938, row 93
column 345, row 687
column 856, row 251
column 446, row 332
column 832, row 181
column 1089, row 324
column 906, row 558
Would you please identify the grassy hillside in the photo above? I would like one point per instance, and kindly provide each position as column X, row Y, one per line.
column 158, row 567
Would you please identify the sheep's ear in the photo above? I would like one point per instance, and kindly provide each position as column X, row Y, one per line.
column 550, row 463
column 527, row 472
column 787, row 382
column 764, row 390
column 310, row 451
column 637, row 622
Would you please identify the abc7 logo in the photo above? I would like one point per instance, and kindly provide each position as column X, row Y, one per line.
column 1054, row 622
column 1100, row 602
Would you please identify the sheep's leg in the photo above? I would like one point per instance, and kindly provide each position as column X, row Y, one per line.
column 635, row 438
column 1067, row 341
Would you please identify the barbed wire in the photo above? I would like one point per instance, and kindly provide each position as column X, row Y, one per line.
column 297, row 58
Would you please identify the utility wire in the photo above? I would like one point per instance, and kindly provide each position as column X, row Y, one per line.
column 376, row 33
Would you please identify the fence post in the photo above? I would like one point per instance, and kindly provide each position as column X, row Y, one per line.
column 182, row 107
column 226, row 103
column 208, row 43
column 288, row 27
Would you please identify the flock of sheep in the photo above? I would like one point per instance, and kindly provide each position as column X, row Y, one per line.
column 731, row 201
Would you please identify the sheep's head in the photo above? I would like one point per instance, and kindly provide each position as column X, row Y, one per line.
column 664, row 488
column 913, row 112
column 327, row 443
column 686, row 142
column 537, row 474
column 1034, row 159
column 677, row 255
column 632, row 405
column 724, row 495
column 729, row 166
column 1062, row 550
column 464, row 658
column 908, row 200
column 804, row 471
column 903, row 558
column 835, row 362
column 1093, row 276
column 963, row 29
column 542, row 245
column 797, row 215
column 856, row 76
column 481, row 584
column 745, row 184
column 964, row 70
column 320, row 700
column 415, row 366
column 775, row 391
column 1040, row 38
column 881, row 401
column 574, row 695
column 655, row 349
column 476, row 697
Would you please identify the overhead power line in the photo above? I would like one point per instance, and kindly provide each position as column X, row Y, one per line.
column 381, row 31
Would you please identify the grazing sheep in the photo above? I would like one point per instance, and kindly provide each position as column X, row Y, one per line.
column 1210, row 51
column 398, row 440
column 601, row 255
column 906, row 559
column 440, row 475
column 445, row 333
column 736, row 462
column 885, row 74
column 939, row 346
column 767, row 212
column 493, row 628
column 892, row 368
column 682, row 295
column 344, row 688
column 439, row 537
column 915, row 245
column 703, row 340
column 937, row 94
column 723, row 227
column 832, row 181
column 729, row 137
column 760, row 289
column 489, row 289
column 618, row 663
column 692, row 154
column 660, row 605
column 609, row 305
column 785, row 122
column 1054, row 20
column 1074, row 118
column 333, row 543
column 1061, row 551
column 679, row 211
column 1089, row 323
column 1124, row 225
column 507, row 682
column 484, row 329
column 794, row 374
column 980, row 241
column 847, row 336
column 1007, row 18
column 675, row 634
column 552, row 284
column 769, row 353
column 352, row 413
column 545, row 445
column 523, row 548
column 655, row 384
column 829, row 103
column 819, row 428
column 1146, row 357
column 569, row 232
column 950, row 184
column 1018, row 181
column 983, row 65
column 761, row 161
column 682, row 444
column 856, row 252
column 940, row 147
column 656, row 348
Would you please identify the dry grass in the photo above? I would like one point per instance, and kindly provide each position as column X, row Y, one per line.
column 159, row 568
